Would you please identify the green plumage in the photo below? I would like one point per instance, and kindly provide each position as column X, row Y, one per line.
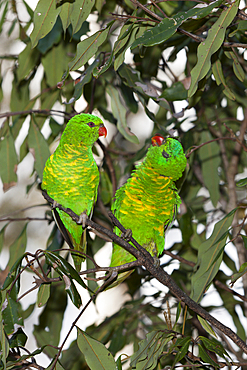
column 147, row 203
column 71, row 176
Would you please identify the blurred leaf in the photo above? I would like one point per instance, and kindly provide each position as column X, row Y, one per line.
column 38, row 147
column 213, row 42
column 9, row 161
column 242, row 271
column 119, row 112
column 237, row 68
column 55, row 63
column 18, row 248
column 3, row 16
column 50, row 320
column 219, row 77
column 105, row 187
column 210, row 157
column 96, row 354
column 209, row 259
column 242, row 182
column 27, row 61
column 45, row 16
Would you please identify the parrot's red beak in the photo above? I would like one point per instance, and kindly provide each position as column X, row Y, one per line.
column 157, row 140
column 102, row 131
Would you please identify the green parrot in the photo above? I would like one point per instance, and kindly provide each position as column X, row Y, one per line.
column 71, row 176
column 148, row 201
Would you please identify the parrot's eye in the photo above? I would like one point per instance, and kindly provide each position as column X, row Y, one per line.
column 91, row 124
column 165, row 155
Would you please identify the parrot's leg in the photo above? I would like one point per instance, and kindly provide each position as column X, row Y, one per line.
column 127, row 235
column 82, row 219
column 54, row 204
column 156, row 261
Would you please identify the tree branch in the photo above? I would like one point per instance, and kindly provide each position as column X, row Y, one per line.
column 145, row 259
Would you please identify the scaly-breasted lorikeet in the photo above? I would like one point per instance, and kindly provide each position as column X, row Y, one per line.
column 71, row 176
column 148, row 201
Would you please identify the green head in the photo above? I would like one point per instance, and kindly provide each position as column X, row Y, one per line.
column 83, row 129
column 167, row 157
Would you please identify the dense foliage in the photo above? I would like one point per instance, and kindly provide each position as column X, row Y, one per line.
column 181, row 66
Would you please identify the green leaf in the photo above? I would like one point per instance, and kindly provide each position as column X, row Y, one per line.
column 8, row 160
column 96, row 355
column 38, row 147
column 18, row 248
column 65, row 267
column 150, row 349
column 79, row 13
column 205, row 356
column 43, row 294
column 237, row 68
column 87, row 48
column 213, row 42
column 210, row 157
column 242, row 271
column 214, row 345
column 45, row 16
column 219, row 77
column 119, row 112
column 206, row 326
column 176, row 92
column 55, row 63
column 51, row 39
column 4, row 343
column 3, row 15
column 209, row 259
column 242, row 182
column 27, row 61
column 183, row 344
column 18, row 339
column 168, row 26
column 11, row 316
column 50, row 320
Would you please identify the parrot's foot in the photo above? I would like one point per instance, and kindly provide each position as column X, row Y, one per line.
column 54, row 204
column 127, row 235
column 82, row 219
column 156, row 261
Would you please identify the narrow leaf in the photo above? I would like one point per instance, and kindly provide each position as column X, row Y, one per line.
column 207, row 265
column 220, row 79
column 119, row 112
column 213, row 42
column 8, row 160
column 38, row 147
column 210, row 158
column 27, row 59
column 206, row 326
column 96, row 355
column 237, row 68
column 87, row 48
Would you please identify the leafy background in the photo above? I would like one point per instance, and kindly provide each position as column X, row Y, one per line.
column 144, row 69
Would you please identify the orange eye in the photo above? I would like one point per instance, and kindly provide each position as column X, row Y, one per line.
column 91, row 124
